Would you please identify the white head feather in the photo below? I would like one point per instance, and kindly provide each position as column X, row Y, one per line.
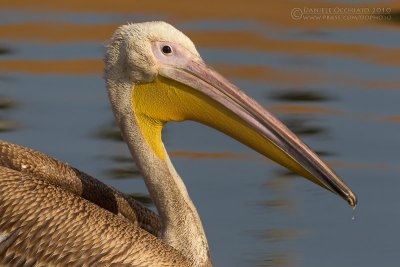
column 130, row 49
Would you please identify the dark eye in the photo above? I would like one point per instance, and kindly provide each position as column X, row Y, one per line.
column 166, row 49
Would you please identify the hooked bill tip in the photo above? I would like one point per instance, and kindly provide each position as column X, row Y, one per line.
column 352, row 200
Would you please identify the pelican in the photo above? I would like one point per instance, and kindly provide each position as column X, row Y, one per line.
column 51, row 214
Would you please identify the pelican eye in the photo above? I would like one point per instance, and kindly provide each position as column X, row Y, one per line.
column 166, row 49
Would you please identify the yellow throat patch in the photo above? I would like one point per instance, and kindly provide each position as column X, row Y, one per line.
column 165, row 100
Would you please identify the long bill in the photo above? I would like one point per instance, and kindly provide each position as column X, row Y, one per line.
column 258, row 128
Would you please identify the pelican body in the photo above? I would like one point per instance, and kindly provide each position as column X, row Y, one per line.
column 51, row 214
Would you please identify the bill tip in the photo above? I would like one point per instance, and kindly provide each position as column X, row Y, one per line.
column 352, row 200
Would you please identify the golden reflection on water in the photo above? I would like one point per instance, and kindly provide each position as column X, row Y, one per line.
column 283, row 259
column 6, row 103
column 279, row 235
column 57, row 32
column 259, row 10
column 68, row 32
column 282, row 205
column 254, row 42
column 69, row 67
column 279, row 260
column 6, row 126
column 394, row 119
column 64, row 32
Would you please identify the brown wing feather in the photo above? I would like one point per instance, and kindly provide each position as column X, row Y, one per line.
column 62, row 175
column 44, row 225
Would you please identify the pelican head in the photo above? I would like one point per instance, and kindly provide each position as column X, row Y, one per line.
column 154, row 75
column 169, row 81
